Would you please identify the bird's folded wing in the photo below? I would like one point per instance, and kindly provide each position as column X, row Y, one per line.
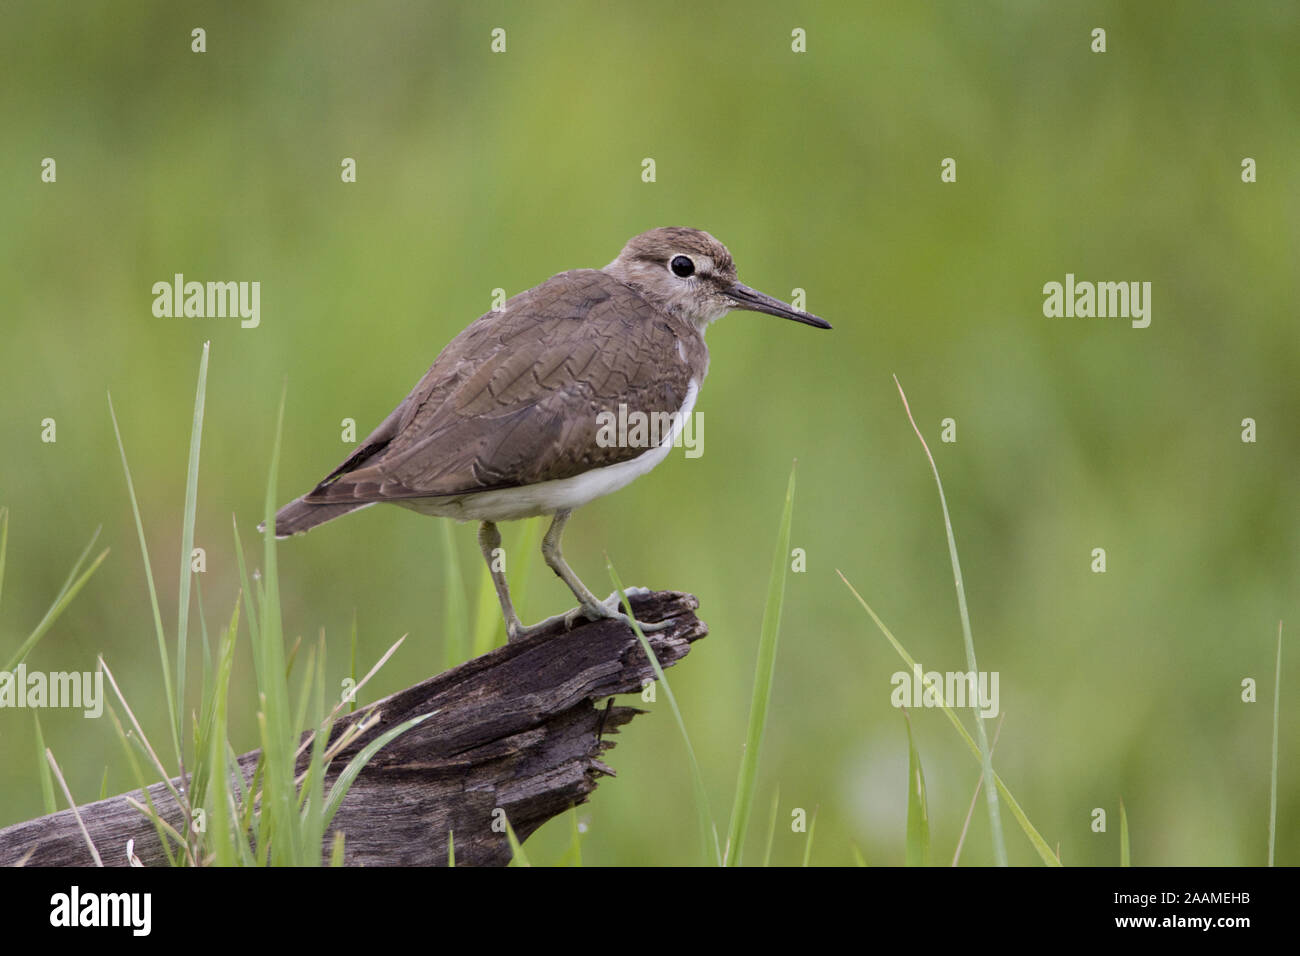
column 518, row 397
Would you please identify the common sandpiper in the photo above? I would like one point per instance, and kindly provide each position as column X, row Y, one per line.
column 506, row 424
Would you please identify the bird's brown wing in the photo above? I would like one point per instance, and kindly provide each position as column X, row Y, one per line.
column 513, row 400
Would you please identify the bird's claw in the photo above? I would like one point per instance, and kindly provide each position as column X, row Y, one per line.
column 608, row 609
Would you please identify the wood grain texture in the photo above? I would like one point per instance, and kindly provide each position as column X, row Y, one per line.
column 518, row 729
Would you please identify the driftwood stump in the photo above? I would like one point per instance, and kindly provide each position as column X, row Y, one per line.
column 517, row 729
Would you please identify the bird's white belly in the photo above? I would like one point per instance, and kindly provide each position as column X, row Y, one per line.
column 548, row 497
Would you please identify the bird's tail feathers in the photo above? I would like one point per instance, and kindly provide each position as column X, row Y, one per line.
column 299, row 516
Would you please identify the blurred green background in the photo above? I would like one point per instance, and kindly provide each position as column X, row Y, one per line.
column 820, row 171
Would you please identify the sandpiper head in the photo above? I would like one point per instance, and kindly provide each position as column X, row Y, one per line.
column 688, row 272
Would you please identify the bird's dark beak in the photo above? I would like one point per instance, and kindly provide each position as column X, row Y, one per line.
column 754, row 301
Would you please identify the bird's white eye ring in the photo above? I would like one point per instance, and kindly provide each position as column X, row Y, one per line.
column 682, row 266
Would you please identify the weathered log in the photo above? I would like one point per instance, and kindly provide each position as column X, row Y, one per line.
column 516, row 730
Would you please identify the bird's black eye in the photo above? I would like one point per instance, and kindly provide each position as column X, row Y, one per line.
column 682, row 266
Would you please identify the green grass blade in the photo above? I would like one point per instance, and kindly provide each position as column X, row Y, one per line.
column 451, row 849
column 771, row 827
column 245, row 587
column 221, row 838
column 574, row 855
column 72, row 805
column 336, row 852
column 43, row 771
column 313, row 815
column 270, row 818
column 764, row 671
column 187, row 538
column 352, row 659
column 808, row 844
column 974, row 800
column 918, row 811
column 986, row 753
column 130, row 743
column 278, row 822
column 153, row 591
column 519, row 857
column 858, row 858
column 246, row 825
column 306, row 692
column 1035, row 838
column 358, row 763
column 1125, row 855
column 71, row 587
column 701, row 795
column 1277, row 704
column 205, row 678
column 455, row 609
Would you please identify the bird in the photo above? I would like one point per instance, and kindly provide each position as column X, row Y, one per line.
column 506, row 423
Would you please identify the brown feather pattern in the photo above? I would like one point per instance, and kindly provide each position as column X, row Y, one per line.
column 513, row 400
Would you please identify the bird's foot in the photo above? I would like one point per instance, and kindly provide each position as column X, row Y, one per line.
column 608, row 609
column 517, row 631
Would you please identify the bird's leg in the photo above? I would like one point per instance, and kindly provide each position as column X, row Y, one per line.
column 589, row 606
column 489, row 540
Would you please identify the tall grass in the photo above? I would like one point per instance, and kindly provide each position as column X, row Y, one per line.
column 764, row 672
column 279, row 816
column 76, row 580
column 713, row 847
column 982, row 750
column 986, row 752
column 1035, row 838
column 729, row 855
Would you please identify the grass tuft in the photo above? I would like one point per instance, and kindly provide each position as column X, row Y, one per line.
column 764, row 672
column 281, row 817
